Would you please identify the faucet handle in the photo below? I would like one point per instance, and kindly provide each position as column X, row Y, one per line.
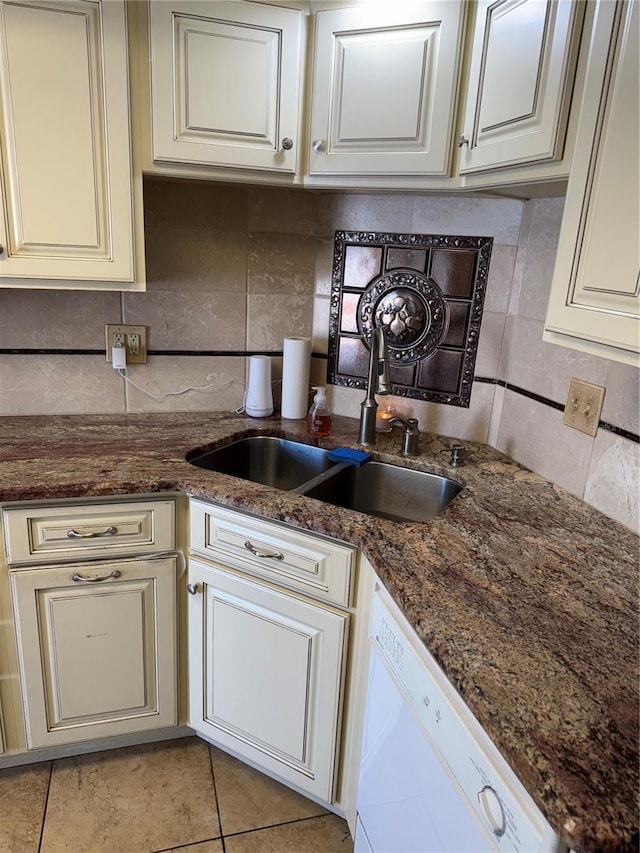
column 457, row 455
column 410, row 436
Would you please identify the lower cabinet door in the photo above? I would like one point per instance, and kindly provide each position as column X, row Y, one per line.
column 265, row 669
column 96, row 649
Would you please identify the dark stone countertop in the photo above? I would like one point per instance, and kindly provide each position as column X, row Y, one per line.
column 526, row 596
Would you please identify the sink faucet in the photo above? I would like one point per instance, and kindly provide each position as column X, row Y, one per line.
column 378, row 383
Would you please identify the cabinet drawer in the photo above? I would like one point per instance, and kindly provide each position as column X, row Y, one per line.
column 43, row 534
column 301, row 561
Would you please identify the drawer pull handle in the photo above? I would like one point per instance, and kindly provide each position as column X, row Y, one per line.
column 257, row 553
column 84, row 579
column 110, row 531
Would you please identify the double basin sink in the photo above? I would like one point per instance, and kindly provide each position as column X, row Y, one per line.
column 375, row 488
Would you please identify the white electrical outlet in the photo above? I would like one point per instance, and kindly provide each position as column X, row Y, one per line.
column 133, row 343
column 132, row 338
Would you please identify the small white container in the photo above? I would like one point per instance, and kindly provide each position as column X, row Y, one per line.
column 259, row 401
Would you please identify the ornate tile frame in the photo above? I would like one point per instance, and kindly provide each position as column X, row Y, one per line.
column 445, row 277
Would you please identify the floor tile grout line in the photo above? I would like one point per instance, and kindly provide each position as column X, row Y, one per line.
column 282, row 823
column 187, row 845
column 221, row 838
column 215, row 794
column 46, row 805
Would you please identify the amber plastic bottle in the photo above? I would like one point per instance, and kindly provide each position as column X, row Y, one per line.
column 319, row 417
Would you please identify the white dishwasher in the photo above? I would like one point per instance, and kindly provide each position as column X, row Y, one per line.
column 431, row 780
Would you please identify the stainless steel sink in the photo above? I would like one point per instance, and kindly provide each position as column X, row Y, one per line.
column 376, row 488
column 266, row 459
column 387, row 491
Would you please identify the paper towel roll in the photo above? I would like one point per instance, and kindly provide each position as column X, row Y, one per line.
column 296, row 364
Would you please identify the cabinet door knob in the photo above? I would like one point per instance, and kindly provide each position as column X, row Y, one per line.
column 318, row 146
column 85, row 579
column 1, row 249
column 287, row 143
column 192, row 588
column 462, row 140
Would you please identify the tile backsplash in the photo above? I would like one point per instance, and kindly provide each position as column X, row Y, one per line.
column 236, row 268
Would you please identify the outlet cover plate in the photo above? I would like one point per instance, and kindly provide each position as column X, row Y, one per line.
column 584, row 406
column 135, row 341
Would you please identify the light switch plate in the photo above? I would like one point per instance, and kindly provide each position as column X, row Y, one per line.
column 132, row 338
column 584, row 406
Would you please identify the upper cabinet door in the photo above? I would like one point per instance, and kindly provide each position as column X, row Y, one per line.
column 225, row 83
column 66, row 179
column 595, row 294
column 384, row 89
column 520, row 82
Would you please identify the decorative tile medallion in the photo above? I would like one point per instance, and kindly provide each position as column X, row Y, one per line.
column 426, row 293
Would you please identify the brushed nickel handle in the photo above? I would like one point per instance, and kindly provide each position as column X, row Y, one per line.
column 287, row 143
column 84, row 579
column 192, row 588
column 257, row 553
column 457, row 455
column 462, row 140
column 318, row 146
column 110, row 531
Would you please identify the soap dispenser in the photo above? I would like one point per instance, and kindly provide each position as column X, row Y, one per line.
column 319, row 418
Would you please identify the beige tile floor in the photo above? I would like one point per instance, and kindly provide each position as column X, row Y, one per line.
column 178, row 795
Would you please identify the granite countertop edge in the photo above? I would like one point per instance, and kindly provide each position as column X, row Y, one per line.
column 526, row 596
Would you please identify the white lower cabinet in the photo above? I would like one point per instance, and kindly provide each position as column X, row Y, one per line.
column 266, row 670
column 97, row 648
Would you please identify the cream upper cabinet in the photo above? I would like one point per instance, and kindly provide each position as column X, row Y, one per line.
column 66, row 184
column 225, row 83
column 384, row 90
column 520, row 82
column 595, row 296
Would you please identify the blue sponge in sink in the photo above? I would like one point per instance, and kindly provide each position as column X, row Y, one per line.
column 351, row 457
